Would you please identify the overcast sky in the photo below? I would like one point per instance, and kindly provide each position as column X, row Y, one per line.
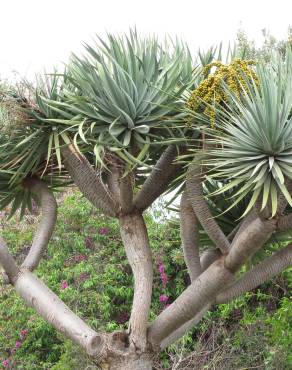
column 39, row 33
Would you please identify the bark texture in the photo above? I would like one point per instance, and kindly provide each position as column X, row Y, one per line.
column 208, row 257
column 264, row 271
column 88, row 181
column 135, row 239
column 190, row 237
column 202, row 211
column 285, row 223
column 157, row 182
column 249, row 240
column 126, row 193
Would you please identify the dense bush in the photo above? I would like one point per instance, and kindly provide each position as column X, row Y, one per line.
column 86, row 266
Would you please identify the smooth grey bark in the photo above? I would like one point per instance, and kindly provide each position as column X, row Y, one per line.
column 88, row 181
column 259, row 274
column 45, row 229
column 248, row 241
column 202, row 211
column 135, row 240
column 160, row 177
column 190, row 237
column 38, row 296
column 200, row 293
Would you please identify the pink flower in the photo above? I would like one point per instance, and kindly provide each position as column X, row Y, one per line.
column 163, row 298
column 64, row 285
column 103, row 231
column 80, row 257
column 23, row 333
column 164, row 279
column 17, row 344
column 5, row 363
column 161, row 268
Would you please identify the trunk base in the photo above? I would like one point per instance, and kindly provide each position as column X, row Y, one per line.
column 131, row 362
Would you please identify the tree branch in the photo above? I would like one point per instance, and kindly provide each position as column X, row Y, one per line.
column 121, row 186
column 135, row 239
column 248, row 241
column 88, row 181
column 8, row 262
column 156, row 183
column 202, row 211
column 198, row 295
column 262, row 272
column 190, row 237
column 38, row 296
column 126, row 193
column 177, row 334
column 45, row 229
column 208, row 257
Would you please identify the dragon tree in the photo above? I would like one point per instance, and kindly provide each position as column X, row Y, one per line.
column 128, row 122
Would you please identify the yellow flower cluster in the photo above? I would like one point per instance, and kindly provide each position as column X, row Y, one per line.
column 210, row 90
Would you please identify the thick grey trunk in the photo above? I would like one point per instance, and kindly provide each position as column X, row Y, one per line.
column 135, row 239
column 143, row 362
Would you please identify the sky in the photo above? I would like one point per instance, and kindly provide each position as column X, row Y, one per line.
column 36, row 35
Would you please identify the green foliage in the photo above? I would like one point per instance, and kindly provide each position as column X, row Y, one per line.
column 250, row 151
column 87, row 267
column 124, row 98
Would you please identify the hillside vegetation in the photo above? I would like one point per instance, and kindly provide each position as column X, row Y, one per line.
column 86, row 266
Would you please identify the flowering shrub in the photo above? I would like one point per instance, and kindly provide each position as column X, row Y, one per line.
column 64, row 285
column 23, row 334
